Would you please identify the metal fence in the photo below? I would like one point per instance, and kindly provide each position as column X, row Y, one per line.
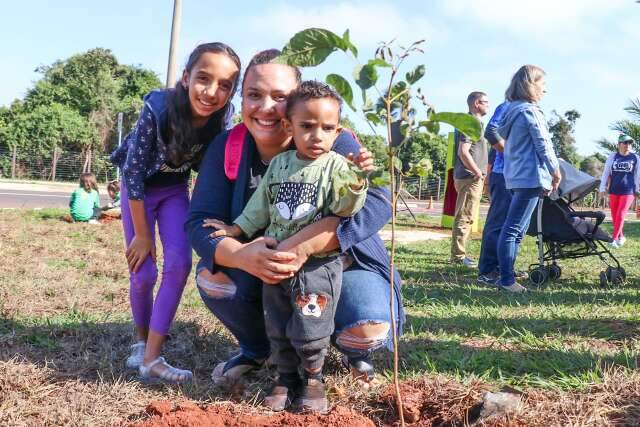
column 424, row 188
column 56, row 165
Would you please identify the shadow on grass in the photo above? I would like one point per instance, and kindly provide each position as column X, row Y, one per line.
column 470, row 326
column 541, row 367
column 557, row 294
column 96, row 351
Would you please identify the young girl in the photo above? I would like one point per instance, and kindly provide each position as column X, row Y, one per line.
column 172, row 133
column 84, row 205
column 620, row 177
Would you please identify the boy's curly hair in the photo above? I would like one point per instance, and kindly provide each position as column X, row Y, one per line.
column 312, row 89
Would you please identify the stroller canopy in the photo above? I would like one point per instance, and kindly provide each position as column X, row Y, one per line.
column 575, row 184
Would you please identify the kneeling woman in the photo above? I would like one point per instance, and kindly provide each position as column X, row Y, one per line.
column 230, row 274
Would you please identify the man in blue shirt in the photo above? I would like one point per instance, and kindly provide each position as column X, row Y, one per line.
column 500, row 200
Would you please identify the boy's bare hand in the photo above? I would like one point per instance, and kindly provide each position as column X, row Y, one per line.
column 222, row 229
column 363, row 160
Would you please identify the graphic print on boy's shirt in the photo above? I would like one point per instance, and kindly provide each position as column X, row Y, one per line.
column 295, row 200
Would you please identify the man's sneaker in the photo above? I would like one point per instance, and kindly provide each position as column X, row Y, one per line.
column 467, row 262
column 515, row 288
column 621, row 241
column 614, row 245
column 312, row 396
column 490, row 279
column 136, row 356
column 229, row 372
column 282, row 392
column 361, row 368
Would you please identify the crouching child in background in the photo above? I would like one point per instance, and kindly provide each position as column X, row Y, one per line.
column 84, row 205
column 112, row 209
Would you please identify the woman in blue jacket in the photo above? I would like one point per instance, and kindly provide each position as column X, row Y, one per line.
column 531, row 167
column 230, row 273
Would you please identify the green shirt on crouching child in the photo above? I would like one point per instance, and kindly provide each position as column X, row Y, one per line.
column 82, row 204
column 294, row 193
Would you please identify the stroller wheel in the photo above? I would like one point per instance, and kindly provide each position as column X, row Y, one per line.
column 555, row 272
column 615, row 276
column 538, row 276
column 603, row 280
column 623, row 274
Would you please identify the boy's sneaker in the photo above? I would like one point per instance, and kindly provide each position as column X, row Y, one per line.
column 361, row 368
column 515, row 288
column 282, row 392
column 230, row 371
column 312, row 396
column 614, row 245
column 489, row 279
column 621, row 241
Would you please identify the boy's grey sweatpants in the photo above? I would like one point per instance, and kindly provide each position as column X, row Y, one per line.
column 299, row 314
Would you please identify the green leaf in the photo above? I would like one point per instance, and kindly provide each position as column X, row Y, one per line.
column 365, row 76
column 347, row 41
column 374, row 118
column 429, row 125
column 379, row 178
column 343, row 87
column 397, row 163
column 378, row 62
column 422, row 169
column 464, row 122
column 310, row 47
column 416, row 74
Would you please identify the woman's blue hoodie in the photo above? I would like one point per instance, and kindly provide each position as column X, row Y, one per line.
column 529, row 159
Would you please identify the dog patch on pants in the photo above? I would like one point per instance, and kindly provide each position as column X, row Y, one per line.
column 311, row 304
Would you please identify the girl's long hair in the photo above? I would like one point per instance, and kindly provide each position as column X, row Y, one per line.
column 179, row 133
column 88, row 182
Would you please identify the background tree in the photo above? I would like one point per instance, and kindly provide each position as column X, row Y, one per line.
column 593, row 164
column 421, row 146
column 74, row 105
column 630, row 126
column 561, row 129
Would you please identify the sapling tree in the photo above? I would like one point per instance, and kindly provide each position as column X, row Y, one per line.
column 394, row 103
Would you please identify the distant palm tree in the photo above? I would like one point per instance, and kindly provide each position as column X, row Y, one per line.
column 629, row 127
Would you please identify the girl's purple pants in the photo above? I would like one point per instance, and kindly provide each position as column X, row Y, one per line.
column 167, row 207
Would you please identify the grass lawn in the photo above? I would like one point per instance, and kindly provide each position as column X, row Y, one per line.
column 65, row 329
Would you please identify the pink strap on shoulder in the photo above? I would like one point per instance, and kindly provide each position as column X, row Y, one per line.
column 233, row 151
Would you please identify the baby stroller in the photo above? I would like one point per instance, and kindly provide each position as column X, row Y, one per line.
column 564, row 233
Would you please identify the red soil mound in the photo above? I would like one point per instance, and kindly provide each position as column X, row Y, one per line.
column 164, row 415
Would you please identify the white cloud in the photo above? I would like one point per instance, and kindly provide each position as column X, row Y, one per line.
column 368, row 22
column 558, row 24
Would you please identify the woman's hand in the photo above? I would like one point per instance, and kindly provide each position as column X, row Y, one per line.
column 556, row 177
column 260, row 258
column 138, row 250
column 363, row 160
column 222, row 229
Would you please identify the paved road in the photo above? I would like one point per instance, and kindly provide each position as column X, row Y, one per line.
column 37, row 199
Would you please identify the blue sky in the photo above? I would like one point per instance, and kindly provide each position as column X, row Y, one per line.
column 589, row 48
